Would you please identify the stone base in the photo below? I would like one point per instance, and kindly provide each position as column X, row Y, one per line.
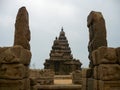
column 14, row 84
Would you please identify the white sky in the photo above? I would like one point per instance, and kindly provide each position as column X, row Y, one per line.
column 46, row 17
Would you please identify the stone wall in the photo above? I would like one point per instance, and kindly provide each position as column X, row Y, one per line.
column 41, row 77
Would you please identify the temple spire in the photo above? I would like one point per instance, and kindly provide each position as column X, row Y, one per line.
column 61, row 57
column 62, row 29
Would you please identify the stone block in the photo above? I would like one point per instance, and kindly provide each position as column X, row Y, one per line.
column 107, row 72
column 96, row 73
column 109, row 85
column 16, row 54
column 23, row 84
column 13, row 71
column 118, row 54
column 86, row 73
column 104, row 55
column 77, row 77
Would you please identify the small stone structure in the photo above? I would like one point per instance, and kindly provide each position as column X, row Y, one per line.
column 61, row 59
column 97, row 32
column 41, row 77
column 14, row 61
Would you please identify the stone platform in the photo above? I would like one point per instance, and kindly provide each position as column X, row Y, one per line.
column 57, row 87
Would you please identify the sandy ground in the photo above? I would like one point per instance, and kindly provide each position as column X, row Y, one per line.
column 62, row 81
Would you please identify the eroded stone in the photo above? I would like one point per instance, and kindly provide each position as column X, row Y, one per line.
column 107, row 72
column 22, row 32
column 97, row 32
column 15, row 54
column 104, row 55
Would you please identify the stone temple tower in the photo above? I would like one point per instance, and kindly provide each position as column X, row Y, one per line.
column 61, row 59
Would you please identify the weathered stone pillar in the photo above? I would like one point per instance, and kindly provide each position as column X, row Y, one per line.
column 22, row 32
column 97, row 33
column 14, row 61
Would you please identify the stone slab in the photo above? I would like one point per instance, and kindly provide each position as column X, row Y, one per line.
column 57, row 87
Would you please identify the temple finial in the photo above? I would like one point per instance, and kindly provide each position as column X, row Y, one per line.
column 56, row 38
column 62, row 29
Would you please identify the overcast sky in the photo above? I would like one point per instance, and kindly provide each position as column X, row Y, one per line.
column 46, row 17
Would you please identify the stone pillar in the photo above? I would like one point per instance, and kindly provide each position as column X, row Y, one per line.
column 22, row 32
column 107, row 69
column 77, row 77
column 97, row 33
column 86, row 72
column 14, row 61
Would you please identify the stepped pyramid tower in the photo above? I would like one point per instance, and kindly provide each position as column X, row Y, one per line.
column 61, row 59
